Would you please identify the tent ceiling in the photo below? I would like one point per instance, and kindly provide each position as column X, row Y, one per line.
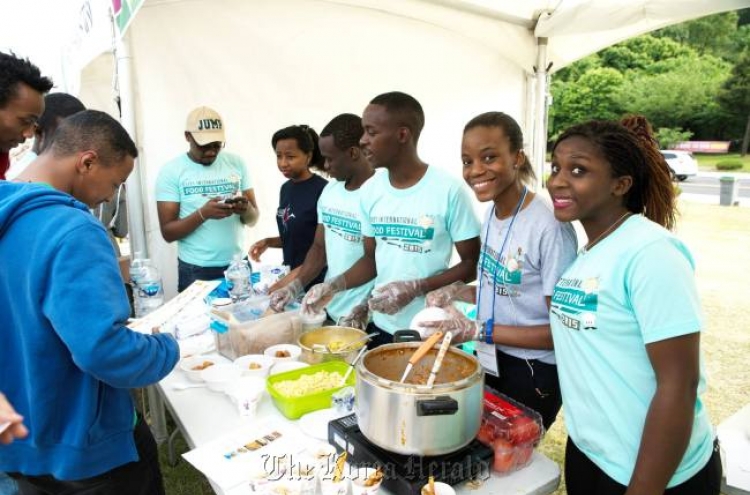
column 574, row 28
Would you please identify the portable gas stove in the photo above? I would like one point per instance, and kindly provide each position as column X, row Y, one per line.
column 407, row 474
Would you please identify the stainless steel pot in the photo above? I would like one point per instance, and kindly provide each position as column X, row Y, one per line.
column 314, row 342
column 410, row 418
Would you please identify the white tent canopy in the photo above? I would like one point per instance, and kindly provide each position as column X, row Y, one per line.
column 266, row 64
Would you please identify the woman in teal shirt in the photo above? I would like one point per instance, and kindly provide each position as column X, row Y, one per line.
column 626, row 322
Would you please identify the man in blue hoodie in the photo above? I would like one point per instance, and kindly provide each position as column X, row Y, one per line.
column 68, row 359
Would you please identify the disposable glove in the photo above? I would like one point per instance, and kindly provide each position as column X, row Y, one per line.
column 320, row 295
column 391, row 298
column 283, row 296
column 447, row 294
column 358, row 317
column 464, row 329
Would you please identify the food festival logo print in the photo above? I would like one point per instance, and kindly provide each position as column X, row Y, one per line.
column 343, row 224
column 575, row 302
column 408, row 233
column 504, row 274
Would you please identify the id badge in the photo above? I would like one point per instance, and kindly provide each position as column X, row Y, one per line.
column 486, row 353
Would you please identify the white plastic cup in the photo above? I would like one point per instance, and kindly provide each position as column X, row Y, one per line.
column 440, row 489
column 359, row 482
column 328, row 487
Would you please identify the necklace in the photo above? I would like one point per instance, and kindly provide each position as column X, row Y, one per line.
column 606, row 232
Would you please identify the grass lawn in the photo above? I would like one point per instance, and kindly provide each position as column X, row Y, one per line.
column 707, row 163
column 718, row 238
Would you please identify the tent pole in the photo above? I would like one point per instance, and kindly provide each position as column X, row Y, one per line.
column 540, row 112
column 136, row 227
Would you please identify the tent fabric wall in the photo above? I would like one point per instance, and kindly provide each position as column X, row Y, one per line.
column 266, row 64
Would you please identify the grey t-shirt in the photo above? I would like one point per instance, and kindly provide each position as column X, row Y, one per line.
column 537, row 251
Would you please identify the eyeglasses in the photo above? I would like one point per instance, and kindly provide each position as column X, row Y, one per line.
column 215, row 146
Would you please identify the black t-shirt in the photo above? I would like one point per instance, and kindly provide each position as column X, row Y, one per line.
column 297, row 219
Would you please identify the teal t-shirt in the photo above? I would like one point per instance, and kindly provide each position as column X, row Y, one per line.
column 634, row 288
column 191, row 184
column 414, row 230
column 340, row 216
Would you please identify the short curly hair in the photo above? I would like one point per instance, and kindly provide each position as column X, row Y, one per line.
column 15, row 70
column 346, row 130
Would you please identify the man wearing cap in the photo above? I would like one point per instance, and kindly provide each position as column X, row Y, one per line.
column 204, row 198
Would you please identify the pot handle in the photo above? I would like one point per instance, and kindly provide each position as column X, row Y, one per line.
column 442, row 405
column 406, row 336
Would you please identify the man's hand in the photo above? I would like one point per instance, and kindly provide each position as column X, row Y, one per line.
column 457, row 291
column 320, row 295
column 216, row 209
column 286, row 294
column 358, row 317
column 464, row 329
column 11, row 423
column 391, row 298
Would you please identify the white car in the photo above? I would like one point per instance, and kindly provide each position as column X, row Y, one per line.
column 681, row 164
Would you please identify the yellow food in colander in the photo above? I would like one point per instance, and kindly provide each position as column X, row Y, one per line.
column 309, row 384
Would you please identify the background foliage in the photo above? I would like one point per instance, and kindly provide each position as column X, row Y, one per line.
column 691, row 80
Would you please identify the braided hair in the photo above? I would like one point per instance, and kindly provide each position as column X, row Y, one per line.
column 630, row 149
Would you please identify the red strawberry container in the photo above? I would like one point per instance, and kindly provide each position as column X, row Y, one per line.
column 511, row 429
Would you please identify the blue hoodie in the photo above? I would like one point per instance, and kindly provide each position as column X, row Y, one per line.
column 66, row 358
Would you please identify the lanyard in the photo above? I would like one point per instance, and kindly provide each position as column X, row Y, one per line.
column 499, row 255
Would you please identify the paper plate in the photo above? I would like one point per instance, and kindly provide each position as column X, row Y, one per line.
column 315, row 424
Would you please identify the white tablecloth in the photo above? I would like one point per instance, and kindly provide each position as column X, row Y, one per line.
column 203, row 416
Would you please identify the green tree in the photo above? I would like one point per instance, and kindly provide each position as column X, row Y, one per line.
column 669, row 136
column 594, row 95
column 734, row 95
column 712, row 34
column 680, row 93
column 642, row 53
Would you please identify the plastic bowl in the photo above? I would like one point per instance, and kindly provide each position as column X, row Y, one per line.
column 290, row 352
column 193, row 366
column 254, row 365
column 218, row 376
column 360, row 482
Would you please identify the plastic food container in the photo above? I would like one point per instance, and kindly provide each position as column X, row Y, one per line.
column 295, row 407
column 241, row 329
column 511, row 429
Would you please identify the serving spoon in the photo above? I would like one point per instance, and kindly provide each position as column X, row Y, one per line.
column 420, row 353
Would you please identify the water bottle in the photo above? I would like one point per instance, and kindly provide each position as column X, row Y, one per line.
column 238, row 279
column 148, row 293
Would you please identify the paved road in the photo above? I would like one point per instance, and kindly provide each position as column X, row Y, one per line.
column 705, row 184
